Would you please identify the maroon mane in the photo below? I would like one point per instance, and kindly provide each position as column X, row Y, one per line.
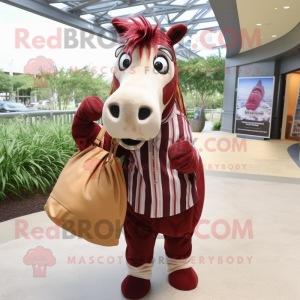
column 141, row 34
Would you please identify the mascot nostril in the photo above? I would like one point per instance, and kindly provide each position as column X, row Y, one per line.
column 115, row 111
column 144, row 113
column 163, row 169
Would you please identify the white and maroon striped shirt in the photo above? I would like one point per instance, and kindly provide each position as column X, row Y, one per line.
column 153, row 188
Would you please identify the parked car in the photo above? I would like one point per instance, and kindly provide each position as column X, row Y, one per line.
column 42, row 104
column 6, row 107
column 34, row 105
column 45, row 102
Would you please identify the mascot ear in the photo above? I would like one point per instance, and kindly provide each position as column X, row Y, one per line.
column 176, row 33
column 120, row 25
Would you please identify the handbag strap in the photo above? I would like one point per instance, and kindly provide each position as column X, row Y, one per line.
column 99, row 141
column 113, row 149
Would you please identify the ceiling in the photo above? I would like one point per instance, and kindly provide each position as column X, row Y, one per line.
column 274, row 19
column 196, row 14
column 94, row 16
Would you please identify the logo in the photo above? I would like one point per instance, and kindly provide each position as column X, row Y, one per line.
column 39, row 258
column 42, row 67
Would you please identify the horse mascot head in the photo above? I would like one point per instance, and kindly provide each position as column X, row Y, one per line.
column 145, row 83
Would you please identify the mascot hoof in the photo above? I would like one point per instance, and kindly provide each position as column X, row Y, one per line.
column 134, row 287
column 184, row 280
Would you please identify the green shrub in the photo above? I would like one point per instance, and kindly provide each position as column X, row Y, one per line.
column 216, row 125
column 71, row 107
column 32, row 156
column 190, row 114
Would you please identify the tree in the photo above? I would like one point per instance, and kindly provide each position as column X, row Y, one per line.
column 216, row 102
column 23, row 83
column 44, row 94
column 62, row 86
column 5, row 83
column 201, row 79
column 67, row 85
column 92, row 86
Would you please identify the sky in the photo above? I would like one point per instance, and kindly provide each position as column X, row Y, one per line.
column 12, row 19
column 15, row 22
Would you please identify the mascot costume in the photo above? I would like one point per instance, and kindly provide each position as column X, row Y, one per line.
column 164, row 175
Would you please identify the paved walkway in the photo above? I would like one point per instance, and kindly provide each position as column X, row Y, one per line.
column 263, row 264
column 224, row 152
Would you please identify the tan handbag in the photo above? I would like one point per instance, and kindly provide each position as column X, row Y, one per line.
column 90, row 199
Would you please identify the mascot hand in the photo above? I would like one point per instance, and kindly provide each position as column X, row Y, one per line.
column 183, row 157
column 84, row 129
column 90, row 109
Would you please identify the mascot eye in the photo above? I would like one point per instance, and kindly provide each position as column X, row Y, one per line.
column 124, row 62
column 161, row 64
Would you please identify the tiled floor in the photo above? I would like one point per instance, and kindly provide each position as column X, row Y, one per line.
column 224, row 152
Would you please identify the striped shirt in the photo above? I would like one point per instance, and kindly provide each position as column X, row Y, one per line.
column 154, row 189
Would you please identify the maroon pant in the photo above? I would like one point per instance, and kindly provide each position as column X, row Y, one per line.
column 141, row 232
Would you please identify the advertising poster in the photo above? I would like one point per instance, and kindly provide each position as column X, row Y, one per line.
column 254, row 106
column 296, row 121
